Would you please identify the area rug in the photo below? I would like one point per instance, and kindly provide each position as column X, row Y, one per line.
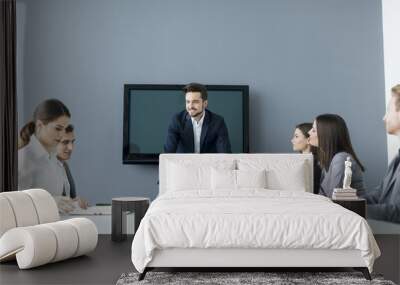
column 229, row 278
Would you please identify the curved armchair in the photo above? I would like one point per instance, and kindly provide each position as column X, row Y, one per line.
column 31, row 232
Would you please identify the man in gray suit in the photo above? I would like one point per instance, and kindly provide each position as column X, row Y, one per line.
column 64, row 152
column 384, row 201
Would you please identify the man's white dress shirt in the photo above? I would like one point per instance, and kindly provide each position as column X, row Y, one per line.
column 197, row 126
column 64, row 177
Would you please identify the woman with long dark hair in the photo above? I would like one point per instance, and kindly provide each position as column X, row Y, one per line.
column 331, row 136
column 301, row 144
column 37, row 148
column 301, row 141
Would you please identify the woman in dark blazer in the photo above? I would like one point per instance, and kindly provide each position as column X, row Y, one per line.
column 301, row 144
column 331, row 136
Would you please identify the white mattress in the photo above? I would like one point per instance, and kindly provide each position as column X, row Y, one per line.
column 252, row 219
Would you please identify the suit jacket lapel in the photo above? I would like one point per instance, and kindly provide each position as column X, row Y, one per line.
column 188, row 133
column 393, row 173
column 204, row 129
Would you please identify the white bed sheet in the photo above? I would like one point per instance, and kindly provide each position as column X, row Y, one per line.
column 250, row 218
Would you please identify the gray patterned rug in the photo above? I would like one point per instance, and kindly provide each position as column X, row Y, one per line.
column 228, row 278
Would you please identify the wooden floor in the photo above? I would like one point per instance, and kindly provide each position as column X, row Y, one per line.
column 102, row 266
column 111, row 259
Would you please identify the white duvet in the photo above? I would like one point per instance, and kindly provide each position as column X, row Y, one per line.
column 251, row 218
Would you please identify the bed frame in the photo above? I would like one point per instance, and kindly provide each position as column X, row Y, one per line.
column 249, row 259
column 245, row 259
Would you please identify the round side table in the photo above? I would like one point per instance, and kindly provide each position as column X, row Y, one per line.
column 120, row 206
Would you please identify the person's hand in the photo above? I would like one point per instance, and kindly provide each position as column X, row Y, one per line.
column 65, row 205
column 81, row 202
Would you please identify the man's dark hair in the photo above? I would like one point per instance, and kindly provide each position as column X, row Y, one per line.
column 196, row 87
column 69, row 129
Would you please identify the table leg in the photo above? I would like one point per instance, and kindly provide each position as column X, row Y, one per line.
column 116, row 222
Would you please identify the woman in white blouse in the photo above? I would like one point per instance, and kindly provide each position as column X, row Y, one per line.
column 37, row 154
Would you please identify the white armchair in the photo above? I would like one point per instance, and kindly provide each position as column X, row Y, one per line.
column 31, row 232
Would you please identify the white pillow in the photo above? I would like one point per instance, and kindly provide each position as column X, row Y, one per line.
column 281, row 175
column 251, row 179
column 223, row 179
column 236, row 179
column 291, row 179
column 189, row 175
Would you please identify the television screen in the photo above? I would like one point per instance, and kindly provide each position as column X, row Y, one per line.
column 148, row 110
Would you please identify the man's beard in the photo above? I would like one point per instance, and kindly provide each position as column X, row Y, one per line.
column 196, row 114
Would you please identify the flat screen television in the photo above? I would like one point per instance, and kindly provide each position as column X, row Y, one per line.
column 148, row 109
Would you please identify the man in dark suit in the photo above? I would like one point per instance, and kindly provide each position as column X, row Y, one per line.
column 197, row 130
column 384, row 201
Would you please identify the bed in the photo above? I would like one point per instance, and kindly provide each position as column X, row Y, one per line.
column 245, row 211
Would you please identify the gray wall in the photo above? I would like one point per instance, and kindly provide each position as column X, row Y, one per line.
column 300, row 58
